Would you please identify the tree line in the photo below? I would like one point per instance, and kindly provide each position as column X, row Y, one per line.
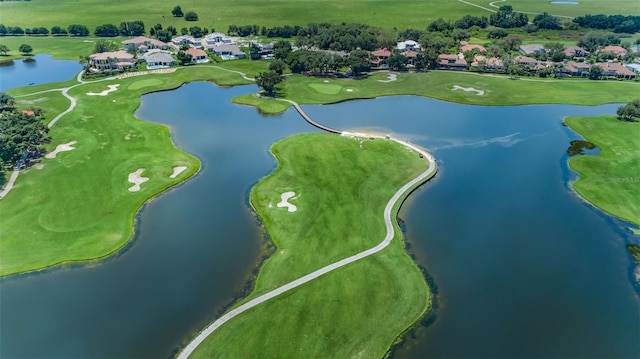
column 127, row 28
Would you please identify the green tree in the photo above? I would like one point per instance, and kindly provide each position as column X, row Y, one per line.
column 184, row 58
column 358, row 61
column 629, row 112
column 191, row 16
column 278, row 66
column 595, row 72
column 22, row 137
column 6, row 101
column 4, row 49
column 254, row 51
column 281, row 49
column 546, row 21
column 268, row 82
column 177, row 11
column 104, row 46
column 398, row 61
column 26, row 49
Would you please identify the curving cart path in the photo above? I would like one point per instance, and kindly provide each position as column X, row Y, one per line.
column 423, row 177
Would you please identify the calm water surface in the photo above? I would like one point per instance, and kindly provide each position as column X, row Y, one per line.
column 42, row 70
column 524, row 267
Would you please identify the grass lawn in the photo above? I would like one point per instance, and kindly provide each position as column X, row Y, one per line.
column 499, row 90
column 341, row 187
column 78, row 207
column 70, row 48
column 219, row 14
column 610, row 180
column 625, row 7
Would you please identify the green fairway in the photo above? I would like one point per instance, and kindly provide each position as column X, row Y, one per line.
column 624, row 7
column 498, row 90
column 219, row 14
column 341, row 187
column 78, row 206
column 610, row 180
column 70, row 48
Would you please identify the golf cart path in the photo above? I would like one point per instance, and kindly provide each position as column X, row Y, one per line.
column 423, row 177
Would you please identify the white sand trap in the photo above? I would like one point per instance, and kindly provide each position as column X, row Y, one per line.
column 61, row 148
column 326, row 81
column 349, row 90
column 177, row 170
column 137, row 180
column 105, row 92
column 467, row 89
column 285, row 201
column 390, row 78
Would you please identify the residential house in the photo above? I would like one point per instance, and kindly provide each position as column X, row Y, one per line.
column 452, row 62
column 575, row 51
column 198, row 56
column 110, row 61
column 381, row 60
column 157, row 60
column 633, row 67
column 532, row 49
column 411, row 57
column 409, row 45
column 186, row 39
column 491, row 63
column 617, row 51
column 229, row 51
column 465, row 46
column 575, row 69
column 616, row 70
column 144, row 44
column 526, row 61
column 216, row 38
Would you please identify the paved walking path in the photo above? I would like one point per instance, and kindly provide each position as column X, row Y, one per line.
column 424, row 176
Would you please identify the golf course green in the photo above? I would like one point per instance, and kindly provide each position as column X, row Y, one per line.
column 80, row 204
column 340, row 186
column 610, row 180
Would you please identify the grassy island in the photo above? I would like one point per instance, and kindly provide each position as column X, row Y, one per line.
column 339, row 187
column 80, row 204
column 610, row 180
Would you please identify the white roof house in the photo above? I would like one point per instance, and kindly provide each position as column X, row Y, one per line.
column 409, row 45
column 186, row 39
column 216, row 38
column 156, row 60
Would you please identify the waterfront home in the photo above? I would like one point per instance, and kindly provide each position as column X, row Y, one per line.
column 111, row 61
column 452, row 62
column 484, row 63
column 525, row 60
column 158, row 60
column 411, row 58
column 617, row 51
column 409, row 45
column 532, row 49
column 198, row 56
column 228, row 51
column 616, row 70
column 575, row 51
column 144, row 44
column 465, row 46
column 575, row 69
column 381, row 58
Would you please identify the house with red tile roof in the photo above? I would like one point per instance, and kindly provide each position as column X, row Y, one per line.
column 198, row 56
column 618, row 51
column 575, row 51
column 381, row 58
column 616, row 70
column 484, row 63
column 451, row 62
column 465, row 46
column 111, row 61
column 411, row 56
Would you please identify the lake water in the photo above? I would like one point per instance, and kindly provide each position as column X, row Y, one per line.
column 524, row 267
column 43, row 69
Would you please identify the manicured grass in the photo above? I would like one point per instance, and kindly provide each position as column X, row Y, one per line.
column 69, row 48
column 625, row 7
column 610, row 180
column 342, row 186
column 251, row 68
column 78, row 207
column 219, row 14
column 499, row 90
column 266, row 107
column 51, row 104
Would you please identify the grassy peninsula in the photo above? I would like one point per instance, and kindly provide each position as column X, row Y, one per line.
column 341, row 187
column 78, row 206
column 610, row 180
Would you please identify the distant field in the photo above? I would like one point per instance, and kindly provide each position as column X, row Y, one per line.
column 219, row 14
column 625, row 7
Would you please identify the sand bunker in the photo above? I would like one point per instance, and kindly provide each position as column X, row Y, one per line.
column 467, row 89
column 390, row 78
column 349, row 90
column 137, row 180
column 61, row 148
column 105, row 92
column 285, row 201
column 177, row 170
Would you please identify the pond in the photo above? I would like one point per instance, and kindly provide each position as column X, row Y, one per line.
column 41, row 69
column 524, row 267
